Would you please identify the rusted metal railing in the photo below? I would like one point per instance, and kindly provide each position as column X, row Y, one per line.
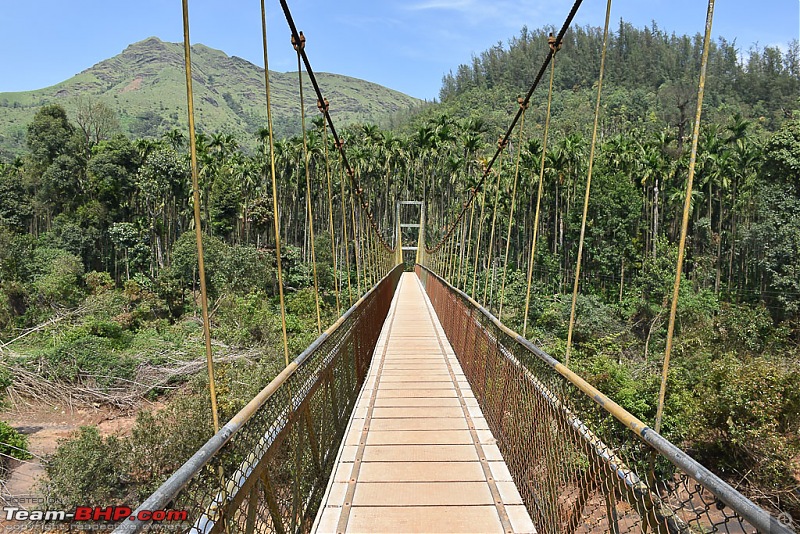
column 266, row 470
column 581, row 462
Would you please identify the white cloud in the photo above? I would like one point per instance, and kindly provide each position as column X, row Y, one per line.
column 508, row 13
column 458, row 5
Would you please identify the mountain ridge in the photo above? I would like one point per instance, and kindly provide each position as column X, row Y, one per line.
column 145, row 86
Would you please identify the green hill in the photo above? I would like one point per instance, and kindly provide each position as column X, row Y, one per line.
column 145, row 85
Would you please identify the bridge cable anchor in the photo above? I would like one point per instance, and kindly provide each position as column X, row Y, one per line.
column 301, row 45
column 551, row 41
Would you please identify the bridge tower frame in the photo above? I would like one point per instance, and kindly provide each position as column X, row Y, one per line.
column 420, row 247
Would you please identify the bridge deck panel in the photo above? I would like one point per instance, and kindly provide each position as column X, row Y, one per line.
column 418, row 455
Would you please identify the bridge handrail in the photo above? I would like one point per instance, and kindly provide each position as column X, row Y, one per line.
column 167, row 492
column 744, row 507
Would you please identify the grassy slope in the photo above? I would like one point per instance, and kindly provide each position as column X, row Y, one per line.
column 145, row 84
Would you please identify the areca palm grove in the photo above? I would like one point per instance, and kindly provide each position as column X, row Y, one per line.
column 79, row 217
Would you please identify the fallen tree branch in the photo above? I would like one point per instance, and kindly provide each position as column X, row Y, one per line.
column 123, row 393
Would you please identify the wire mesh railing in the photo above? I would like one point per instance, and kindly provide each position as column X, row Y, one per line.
column 266, row 470
column 581, row 463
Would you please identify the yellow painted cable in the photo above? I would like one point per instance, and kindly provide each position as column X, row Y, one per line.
column 494, row 221
column 356, row 243
column 275, row 211
column 538, row 199
column 588, row 186
column 307, row 164
column 197, row 226
column 478, row 244
column 687, row 208
column 330, row 212
column 469, row 246
column 452, row 263
column 511, row 211
column 346, row 239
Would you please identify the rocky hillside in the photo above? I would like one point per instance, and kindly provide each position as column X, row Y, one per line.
column 145, row 85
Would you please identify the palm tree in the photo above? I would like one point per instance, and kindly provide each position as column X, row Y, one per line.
column 174, row 138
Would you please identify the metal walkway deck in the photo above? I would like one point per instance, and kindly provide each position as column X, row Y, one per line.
column 418, row 455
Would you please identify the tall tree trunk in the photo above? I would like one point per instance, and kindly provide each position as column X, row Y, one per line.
column 655, row 217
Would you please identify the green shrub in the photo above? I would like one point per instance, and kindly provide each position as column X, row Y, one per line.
column 593, row 319
column 302, row 303
column 87, row 356
column 750, row 416
column 248, row 270
column 184, row 262
column 296, row 273
column 743, row 327
column 617, row 381
column 162, row 441
column 13, row 301
column 98, row 282
column 58, row 277
column 105, row 329
column 16, row 255
column 144, row 304
column 88, row 470
column 12, row 444
column 248, row 319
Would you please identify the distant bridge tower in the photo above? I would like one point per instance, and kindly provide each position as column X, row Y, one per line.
column 402, row 211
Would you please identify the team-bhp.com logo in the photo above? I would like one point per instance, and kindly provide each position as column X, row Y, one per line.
column 94, row 513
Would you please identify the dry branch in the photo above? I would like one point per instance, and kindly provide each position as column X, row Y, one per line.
column 29, row 386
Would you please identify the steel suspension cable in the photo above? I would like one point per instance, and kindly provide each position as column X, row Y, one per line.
column 478, row 245
column 588, row 186
column 687, row 206
column 539, row 195
column 494, row 221
column 315, row 84
column 511, row 211
column 550, row 56
column 356, row 188
column 275, row 212
column 356, row 243
column 448, row 257
column 299, row 44
column 326, row 105
column 469, row 246
column 463, row 230
column 346, row 240
column 451, row 256
column 201, row 269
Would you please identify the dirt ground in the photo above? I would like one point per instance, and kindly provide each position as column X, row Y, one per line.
column 45, row 425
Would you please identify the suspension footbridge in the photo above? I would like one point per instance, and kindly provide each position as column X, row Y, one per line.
column 419, row 410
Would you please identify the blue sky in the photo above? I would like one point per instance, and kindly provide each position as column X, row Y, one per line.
column 406, row 45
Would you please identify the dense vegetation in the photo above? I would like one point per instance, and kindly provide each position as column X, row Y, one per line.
column 96, row 248
column 732, row 393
